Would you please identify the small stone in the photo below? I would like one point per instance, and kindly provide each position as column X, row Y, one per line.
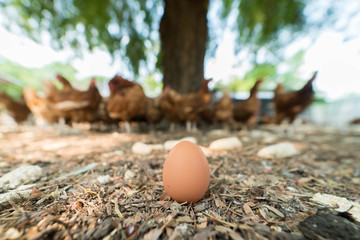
column 141, row 148
column 22, row 192
column 23, row 174
column 280, row 150
column 270, row 139
column 225, row 143
column 128, row 175
column 206, row 151
column 113, row 154
column 156, row 146
column 171, row 143
column 3, row 164
column 103, row 179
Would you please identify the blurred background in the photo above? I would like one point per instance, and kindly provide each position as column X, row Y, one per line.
column 282, row 41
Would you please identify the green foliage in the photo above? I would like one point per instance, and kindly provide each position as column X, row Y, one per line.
column 289, row 76
column 261, row 21
column 13, row 91
column 244, row 84
column 129, row 29
column 32, row 77
column 286, row 72
column 109, row 24
column 151, row 86
column 261, row 71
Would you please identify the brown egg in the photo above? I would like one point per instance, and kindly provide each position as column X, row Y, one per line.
column 186, row 173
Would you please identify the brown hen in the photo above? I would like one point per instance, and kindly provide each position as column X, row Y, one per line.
column 78, row 106
column 127, row 99
column 224, row 109
column 43, row 110
column 290, row 104
column 16, row 109
column 246, row 111
column 178, row 107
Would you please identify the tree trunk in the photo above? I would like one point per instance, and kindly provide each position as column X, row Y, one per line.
column 183, row 32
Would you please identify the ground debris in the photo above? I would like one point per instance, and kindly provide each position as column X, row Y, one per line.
column 326, row 225
column 93, row 186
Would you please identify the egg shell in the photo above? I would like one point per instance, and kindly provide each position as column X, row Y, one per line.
column 186, row 173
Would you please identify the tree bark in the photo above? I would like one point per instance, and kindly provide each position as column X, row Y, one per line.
column 183, row 32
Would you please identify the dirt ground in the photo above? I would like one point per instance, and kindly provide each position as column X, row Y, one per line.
column 249, row 197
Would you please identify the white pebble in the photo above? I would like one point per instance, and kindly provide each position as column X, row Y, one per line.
column 23, row 174
column 128, row 175
column 206, row 151
column 103, row 179
column 3, row 164
column 22, row 192
column 225, row 143
column 280, row 150
column 141, row 148
column 156, row 146
column 171, row 143
column 113, row 154
column 270, row 139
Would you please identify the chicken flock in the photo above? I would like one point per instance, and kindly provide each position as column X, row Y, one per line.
column 128, row 103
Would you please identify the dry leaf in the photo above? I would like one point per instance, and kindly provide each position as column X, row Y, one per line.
column 153, row 234
column 164, row 196
column 184, row 219
column 199, row 208
column 219, row 203
column 274, row 210
column 203, row 222
column 250, row 213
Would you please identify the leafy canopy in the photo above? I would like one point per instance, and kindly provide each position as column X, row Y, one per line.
column 35, row 76
column 124, row 28
column 129, row 29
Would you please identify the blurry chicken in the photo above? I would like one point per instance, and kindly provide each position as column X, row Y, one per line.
column 67, row 87
column 178, row 107
column 102, row 114
column 40, row 107
column 88, row 113
column 153, row 112
column 127, row 100
column 169, row 105
column 220, row 110
column 290, row 104
column 192, row 104
column 16, row 109
column 72, row 104
column 355, row 121
column 224, row 110
column 246, row 111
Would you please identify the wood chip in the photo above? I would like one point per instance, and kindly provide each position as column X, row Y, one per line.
column 250, row 213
